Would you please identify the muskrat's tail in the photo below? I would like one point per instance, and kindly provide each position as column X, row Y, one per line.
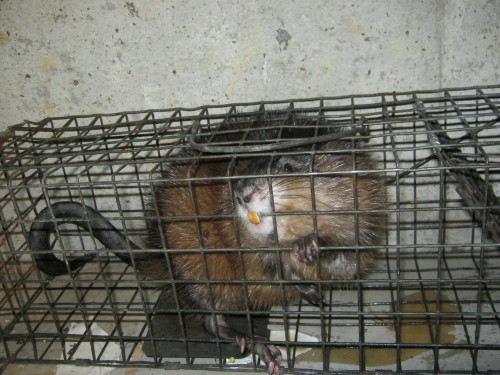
column 86, row 217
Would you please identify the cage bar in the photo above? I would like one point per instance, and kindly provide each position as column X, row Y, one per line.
column 429, row 305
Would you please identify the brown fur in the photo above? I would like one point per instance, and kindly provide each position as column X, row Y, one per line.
column 217, row 231
column 186, row 230
column 198, row 204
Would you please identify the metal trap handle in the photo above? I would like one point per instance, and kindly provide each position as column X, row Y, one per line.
column 361, row 129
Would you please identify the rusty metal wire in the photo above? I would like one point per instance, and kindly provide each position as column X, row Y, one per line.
column 430, row 305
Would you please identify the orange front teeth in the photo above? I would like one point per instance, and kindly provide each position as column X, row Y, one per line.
column 253, row 217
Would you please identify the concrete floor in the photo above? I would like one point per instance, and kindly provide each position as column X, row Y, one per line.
column 51, row 370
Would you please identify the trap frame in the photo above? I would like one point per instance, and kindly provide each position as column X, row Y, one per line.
column 430, row 305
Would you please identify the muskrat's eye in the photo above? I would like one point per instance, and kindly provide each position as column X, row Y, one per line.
column 288, row 168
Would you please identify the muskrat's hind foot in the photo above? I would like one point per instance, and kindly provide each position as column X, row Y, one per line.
column 306, row 249
column 270, row 354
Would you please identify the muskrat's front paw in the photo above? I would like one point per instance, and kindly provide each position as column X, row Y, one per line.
column 306, row 248
column 311, row 293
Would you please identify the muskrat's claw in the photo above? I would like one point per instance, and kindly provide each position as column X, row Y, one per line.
column 312, row 294
column 269, row 353
column 271, row 356
column 306, row 248
column 243, row 344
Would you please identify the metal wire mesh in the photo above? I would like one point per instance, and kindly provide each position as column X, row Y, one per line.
column 430, row 305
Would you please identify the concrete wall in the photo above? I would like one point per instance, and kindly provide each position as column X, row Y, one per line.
column 63, row 57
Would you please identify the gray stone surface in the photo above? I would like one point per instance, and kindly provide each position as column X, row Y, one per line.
column 63, row 57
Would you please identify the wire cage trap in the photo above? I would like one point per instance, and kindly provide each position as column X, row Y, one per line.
column 429, row 304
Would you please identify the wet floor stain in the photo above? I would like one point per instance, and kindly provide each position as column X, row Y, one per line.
column 421, row 326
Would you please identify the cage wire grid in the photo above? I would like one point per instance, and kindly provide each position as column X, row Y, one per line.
column 429, row 305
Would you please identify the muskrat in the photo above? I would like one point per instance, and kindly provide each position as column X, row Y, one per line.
column 283, row 216
column 275, row 211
